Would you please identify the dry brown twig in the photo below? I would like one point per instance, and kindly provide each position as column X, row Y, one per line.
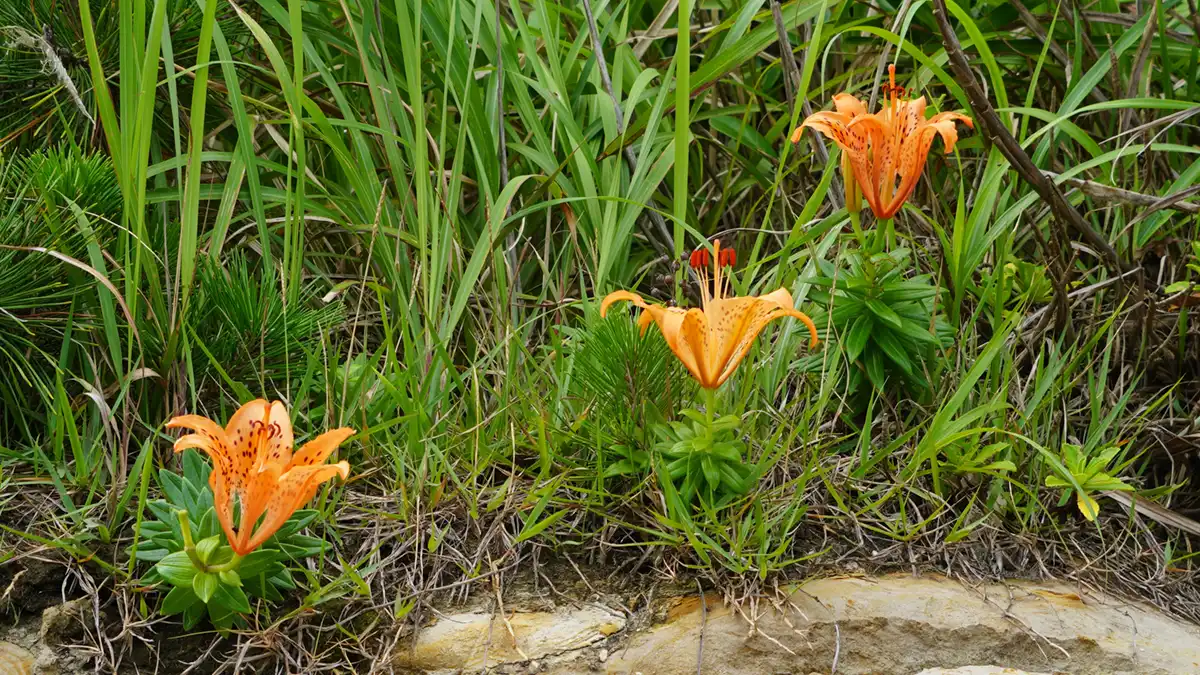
column 999, row 135
column 656, row 28
column 1154, row 512
column 1109, row 193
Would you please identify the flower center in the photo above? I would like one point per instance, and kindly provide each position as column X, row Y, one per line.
column 711, row 287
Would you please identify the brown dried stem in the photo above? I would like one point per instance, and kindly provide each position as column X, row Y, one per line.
column 998, row 134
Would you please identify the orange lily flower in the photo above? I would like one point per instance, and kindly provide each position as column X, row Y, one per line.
column 885, row 146
column 712, row 340
column 253, row 461
column 835, row 123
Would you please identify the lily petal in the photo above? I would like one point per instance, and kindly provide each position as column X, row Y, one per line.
column 257, row 495
column 620, row 296
column 914, row 155
column 873, row 132
column 912, row 114
column 209, row 438
column 950, row 132
column 848, row 104
column 749, row 316
column 293, row 490
column 223, row 506
column 694, row 347
column 318, row 449
column 263, row 433
column 833, row 125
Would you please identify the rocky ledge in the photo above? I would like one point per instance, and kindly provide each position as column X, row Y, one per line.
column 895, row 625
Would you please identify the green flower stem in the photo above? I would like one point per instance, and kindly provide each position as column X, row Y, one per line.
column 233, row 564
column 887, row 235
column 710, row 403
column 856, row 223
column 881, row 237
column 189, row 547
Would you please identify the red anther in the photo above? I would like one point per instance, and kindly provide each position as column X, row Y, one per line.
column 700, row 258
column 727, row 257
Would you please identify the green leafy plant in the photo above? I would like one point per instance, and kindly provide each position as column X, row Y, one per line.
column 970, row 456
column 704, row 457
column 884, row 318
column 1016, row 286
column 62, row 174
column 37, row 296
column 634, row 456
column 244, row 323
column 191, row 556
column 623, row 373
column 1029, row 282
column 1092, row 474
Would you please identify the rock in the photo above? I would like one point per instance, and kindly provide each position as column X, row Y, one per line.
column 977, row 670
column 902, row 624
column 475, row 640
column 62, row 623
column 15, row 660
column 41, row 647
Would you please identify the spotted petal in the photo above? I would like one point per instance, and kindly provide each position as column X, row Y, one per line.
column 848, row 104
column 833, row 125
column 694, row 346
column 318, row 449
column 257, row 495
column 742, row 321
column 263, row 432
column 223, row 506
column 915, row 152
column 293, row 489
column 209, row 438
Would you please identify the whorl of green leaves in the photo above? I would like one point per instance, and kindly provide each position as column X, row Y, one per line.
column 64, row 173
column 884, row 321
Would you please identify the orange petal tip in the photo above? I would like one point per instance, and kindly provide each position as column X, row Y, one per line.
column 343, row 468
column 617, row 296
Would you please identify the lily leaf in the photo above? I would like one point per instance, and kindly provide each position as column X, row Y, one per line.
column 176, row 568
column 1087, row 506
column 205, row 584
